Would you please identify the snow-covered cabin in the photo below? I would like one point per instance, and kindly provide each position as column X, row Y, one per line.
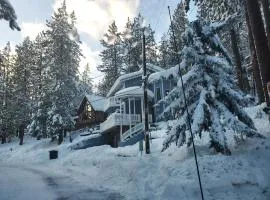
column 121, row 113
column 124, row 107
column 91, row 111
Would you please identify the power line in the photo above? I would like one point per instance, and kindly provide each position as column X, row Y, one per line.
column 186, row 106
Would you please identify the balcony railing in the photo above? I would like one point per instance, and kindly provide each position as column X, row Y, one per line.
column 117, row 119
column 129, row 133
column 150, row 118
column 112, row 102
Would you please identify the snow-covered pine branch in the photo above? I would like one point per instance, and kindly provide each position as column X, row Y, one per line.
column 7, row 12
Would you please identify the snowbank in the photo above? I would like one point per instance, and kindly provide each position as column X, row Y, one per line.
column 168, row 175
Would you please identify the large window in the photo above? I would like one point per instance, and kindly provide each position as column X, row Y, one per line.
column 88, row 111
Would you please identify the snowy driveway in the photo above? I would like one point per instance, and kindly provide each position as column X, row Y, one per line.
column 28, row 184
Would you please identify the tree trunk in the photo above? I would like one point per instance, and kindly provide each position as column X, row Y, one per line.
column 266, row 14
column 4, row 138
column 260, row 41
column 255, row 65
column 21, row 134
column 237, row 59
column 60, row 137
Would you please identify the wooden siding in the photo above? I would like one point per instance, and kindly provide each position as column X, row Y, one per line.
column 88, row 118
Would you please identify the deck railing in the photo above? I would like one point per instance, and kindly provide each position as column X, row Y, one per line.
column 133, row 130
column 117, row 119
column 112, row 102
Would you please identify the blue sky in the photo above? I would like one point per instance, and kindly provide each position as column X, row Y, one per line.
column 93, row 16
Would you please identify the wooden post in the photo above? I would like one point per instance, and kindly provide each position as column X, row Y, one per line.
column 146, row 123
column 121, row 122
column 142, row 109
column 129, row 111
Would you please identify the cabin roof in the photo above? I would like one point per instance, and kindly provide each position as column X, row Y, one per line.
column 96, row 101
column 117, row 84
column 165, row 74
column 134, row 92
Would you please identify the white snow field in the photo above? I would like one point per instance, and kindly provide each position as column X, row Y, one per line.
column 245, row 175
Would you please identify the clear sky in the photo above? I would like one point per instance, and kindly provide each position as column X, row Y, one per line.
column 93, row 18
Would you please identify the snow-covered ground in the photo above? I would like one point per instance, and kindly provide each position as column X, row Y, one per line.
column 167, row 175
column 20, row 184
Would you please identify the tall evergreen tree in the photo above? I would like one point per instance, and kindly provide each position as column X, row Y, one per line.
column 164, row 53
column 111, row 57
column 180, row 22
column 7, row 100
column 24, row 65
column 127, row 42
column 214, row 102
column 87, row 82
column 64, row 52
column 167, row 54
column 132, row 44
column 41, row 81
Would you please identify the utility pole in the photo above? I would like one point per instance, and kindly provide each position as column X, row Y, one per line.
column 146, row 122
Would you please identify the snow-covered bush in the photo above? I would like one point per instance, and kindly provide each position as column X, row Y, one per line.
column 215, row 103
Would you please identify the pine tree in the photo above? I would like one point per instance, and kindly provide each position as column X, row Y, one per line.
column 24, row 65
column 132, row 44
column 7, row 12
column 103, row 88
column 64, row 51
column 111, row 57
column 127, row 41
column 7, row 100
column 41, row 82
column 86, row 82
column 167, row 54
column 164, row 54
column 214, row 102
column 180, row 22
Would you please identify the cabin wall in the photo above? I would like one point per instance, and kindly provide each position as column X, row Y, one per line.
column 83, row 121
column 161, row 88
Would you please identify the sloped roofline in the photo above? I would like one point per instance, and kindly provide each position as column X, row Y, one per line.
column 96, row 101
column 132, row 75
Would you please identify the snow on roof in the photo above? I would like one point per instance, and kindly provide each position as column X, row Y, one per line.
column 120, row 79
column 173, row 71
column 133, row 91
column 96, row 101
column 117, row 84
